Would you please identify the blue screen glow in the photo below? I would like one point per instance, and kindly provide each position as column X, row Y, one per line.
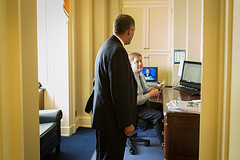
column 152, row 73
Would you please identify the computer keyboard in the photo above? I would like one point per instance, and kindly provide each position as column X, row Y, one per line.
column 184, row 89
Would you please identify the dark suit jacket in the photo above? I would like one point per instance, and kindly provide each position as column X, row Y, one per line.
column 114, row 95
column 89, row 105
column 149, row 75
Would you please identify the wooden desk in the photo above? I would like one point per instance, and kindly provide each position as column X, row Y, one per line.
column 41, row 98
column 181, row 129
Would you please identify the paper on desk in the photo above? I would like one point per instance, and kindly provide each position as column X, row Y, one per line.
column 172, row 106
column 188, row 106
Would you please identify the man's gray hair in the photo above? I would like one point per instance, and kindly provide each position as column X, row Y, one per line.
column 122, row 23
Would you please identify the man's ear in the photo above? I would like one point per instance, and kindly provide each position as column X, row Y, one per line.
column 128, row 31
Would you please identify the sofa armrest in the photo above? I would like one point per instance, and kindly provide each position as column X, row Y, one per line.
column 46, row 116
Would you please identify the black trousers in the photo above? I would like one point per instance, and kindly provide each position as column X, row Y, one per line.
column 110, row 144
column 152, row 116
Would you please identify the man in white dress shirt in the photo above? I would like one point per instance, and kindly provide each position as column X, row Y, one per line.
column 144, row 93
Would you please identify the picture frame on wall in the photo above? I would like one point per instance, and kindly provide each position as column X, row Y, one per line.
column 179, row 55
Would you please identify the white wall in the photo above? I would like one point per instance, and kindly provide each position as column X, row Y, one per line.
column 53, row 58
column 187, row 31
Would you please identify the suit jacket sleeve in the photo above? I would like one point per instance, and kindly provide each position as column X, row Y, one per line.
column 120, row 87
column 89, row 105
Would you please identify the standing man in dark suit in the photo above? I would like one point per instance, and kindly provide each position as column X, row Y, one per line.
column 114, row 100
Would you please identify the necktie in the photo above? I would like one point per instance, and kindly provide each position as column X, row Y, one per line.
column 142, row 84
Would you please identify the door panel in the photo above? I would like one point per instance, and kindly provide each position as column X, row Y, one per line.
column 159, row 29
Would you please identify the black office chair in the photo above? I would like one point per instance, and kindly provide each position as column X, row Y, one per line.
column 143, row 125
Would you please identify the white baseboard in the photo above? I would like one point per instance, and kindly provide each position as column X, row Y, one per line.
column 84, row 121
column 81, row 121
column 68, row 131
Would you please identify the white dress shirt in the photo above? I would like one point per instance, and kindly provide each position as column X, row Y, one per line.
column 141, row 97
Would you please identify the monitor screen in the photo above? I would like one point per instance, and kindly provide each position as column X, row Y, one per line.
column 191, row 74
column 150, row 73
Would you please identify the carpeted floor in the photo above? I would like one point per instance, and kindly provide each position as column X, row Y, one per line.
column 152, row 152
column 81, row 146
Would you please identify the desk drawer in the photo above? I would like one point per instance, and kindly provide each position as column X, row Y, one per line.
column 181, row 136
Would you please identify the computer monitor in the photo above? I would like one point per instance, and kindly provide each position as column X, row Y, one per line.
column 191, row 74
column 150, row 73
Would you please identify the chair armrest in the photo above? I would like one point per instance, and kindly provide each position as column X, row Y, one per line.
column 46, row 116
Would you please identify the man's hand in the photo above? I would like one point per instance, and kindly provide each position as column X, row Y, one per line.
column 154, row 92
column 129, row 130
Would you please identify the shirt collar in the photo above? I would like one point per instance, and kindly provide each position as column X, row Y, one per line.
column 119, row 39
column 137, row 74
